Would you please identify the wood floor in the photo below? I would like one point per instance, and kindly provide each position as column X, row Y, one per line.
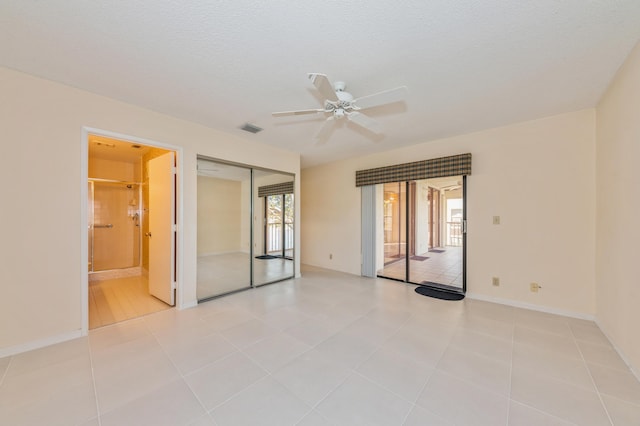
column 120, row 299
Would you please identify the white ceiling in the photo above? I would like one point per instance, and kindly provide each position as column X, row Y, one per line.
column 468, row 64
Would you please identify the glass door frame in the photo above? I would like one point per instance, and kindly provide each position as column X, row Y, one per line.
column 409, row 220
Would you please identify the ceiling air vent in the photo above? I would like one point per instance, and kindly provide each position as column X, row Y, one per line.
column 251, row 128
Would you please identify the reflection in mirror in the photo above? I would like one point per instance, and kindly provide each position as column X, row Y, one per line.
column 273, row 227
column 224, row 220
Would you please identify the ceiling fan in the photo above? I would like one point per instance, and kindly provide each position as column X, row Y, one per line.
column 339, row 104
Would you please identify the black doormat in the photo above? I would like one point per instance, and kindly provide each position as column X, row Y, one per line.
column 438, row 294
column 266, row 256
column 420, row 258
column 436, row 251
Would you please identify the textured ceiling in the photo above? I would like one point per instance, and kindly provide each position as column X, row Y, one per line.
column 468, row 64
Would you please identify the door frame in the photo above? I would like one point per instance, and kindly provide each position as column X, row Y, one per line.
column 410, row 227
column 84, row 224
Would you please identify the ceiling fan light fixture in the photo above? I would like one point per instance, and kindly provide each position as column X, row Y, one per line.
column 338, row 104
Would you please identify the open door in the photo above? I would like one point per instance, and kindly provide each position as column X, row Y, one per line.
column 162, row 228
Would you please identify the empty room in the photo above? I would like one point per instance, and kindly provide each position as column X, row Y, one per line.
column 319, row 213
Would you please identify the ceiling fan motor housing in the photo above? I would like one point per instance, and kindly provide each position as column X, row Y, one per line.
column 339, row 103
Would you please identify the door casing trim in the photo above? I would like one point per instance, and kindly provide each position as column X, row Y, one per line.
column 84, row 238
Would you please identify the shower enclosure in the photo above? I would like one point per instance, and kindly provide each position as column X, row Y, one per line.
column 114, row 225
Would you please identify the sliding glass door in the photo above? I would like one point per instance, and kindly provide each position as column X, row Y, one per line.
column 423, row 228
column 395, row 231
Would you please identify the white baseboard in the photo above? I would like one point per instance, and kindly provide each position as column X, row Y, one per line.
column 624, row 358
column 41, row 343
column 531, row 306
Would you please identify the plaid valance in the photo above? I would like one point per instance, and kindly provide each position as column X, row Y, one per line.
column 454, row 165
column 276, row 189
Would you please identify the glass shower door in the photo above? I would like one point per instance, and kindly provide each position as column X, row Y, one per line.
column 115, row 236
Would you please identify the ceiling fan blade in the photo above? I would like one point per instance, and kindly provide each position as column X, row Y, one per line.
column 298, row 112
column 323, row 133
column 381, row 98
column 364, row 121
column 324, row 86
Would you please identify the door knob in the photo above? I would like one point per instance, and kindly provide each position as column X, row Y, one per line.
column 147, row 234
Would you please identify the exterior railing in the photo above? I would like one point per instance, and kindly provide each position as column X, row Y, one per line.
column 454, row 234
column 274, row 237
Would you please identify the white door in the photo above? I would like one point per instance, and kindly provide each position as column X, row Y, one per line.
column 162, row 228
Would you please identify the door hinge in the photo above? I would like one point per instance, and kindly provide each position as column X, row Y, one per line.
column 464, row 226
column 174, row 170
column 173, row 285
column 174, row 228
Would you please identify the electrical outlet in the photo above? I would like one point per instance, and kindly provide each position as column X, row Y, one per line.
column 330, row 256
column 495, row 281
column 496, row 220
column 534, row 287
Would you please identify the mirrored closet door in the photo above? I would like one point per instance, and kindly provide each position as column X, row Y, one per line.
column 245, row 227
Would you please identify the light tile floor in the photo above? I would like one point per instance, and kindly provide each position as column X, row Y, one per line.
column 121, row 299
column 327, row 349
column 441, row 268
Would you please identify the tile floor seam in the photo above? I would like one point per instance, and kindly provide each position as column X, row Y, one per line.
column 475, row 385
column 513, row 344
column 426, row 383
column 450, row 344
column 624, row 401
column 180, row 374
column 380, row 385
column 215, row 407
column 93, row 381
column 600, row 364
column 477, row 353
column 338, row 386
column 6, row 370
column 593, row 381
column 379, row 347
column 542, row 412
column 269, row 374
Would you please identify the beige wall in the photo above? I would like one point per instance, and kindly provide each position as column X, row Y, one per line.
column 539, row 176
column 618, row 201
column 219, row 215
column 43, row 266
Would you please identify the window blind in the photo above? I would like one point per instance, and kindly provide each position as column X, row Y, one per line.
column 276, row 189
column 454, row 165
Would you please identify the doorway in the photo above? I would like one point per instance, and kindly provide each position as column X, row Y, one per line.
column 131, row 227
column 423, row 232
